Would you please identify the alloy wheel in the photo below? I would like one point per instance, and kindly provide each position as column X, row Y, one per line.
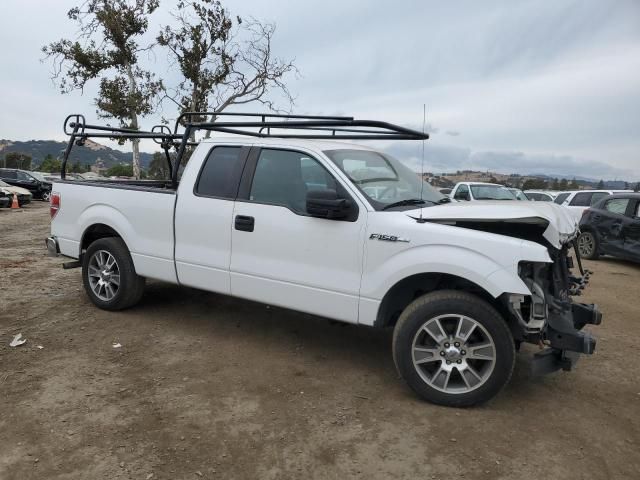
column 104, row 275
column 453, row 353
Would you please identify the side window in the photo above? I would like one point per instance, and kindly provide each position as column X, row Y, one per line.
column 462, row 193
column 582, row 199
column 561, row 198
column 637, row 214
column 220, row 174
column 23, row 176
column 598, row 196
column 617, row 205
column 284, row 177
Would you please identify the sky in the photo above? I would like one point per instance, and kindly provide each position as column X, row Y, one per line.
column 546, row 86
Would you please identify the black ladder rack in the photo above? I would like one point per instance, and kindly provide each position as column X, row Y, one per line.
column 263, row 125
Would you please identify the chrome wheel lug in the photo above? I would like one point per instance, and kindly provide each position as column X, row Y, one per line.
column 446, row 345
column 463, row 352
column 448, row 362
column 442, row 354
column 459, row 361
column 457, row 344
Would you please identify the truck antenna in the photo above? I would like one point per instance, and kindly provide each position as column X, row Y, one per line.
column 424, row 121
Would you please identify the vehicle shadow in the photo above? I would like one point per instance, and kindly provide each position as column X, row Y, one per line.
column 353, row 350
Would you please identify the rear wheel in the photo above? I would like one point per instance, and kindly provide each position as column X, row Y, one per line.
column 453, row 349
column 109, row 276
column 46, row 196
column 588, row 246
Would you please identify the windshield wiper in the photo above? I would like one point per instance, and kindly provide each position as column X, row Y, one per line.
column 408, row 201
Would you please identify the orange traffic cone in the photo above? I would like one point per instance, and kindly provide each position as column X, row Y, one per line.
column 15, row 203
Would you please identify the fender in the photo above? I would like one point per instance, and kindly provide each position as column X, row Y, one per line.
column 436, row 258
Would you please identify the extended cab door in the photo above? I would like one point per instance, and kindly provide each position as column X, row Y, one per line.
column 283, row 256
column 203, row 218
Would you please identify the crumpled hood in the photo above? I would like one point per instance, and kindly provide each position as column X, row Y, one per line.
column 561, row 226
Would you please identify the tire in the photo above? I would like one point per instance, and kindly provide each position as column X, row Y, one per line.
column 421, row 360
column 46, row 196
column 111, row 255
column 588, row 245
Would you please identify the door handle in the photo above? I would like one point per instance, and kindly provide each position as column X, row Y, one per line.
column 245, row 223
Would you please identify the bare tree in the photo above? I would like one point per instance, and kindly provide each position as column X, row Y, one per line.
column 107, row 49
column 223, row 63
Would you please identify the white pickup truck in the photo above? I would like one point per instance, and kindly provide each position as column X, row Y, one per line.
column 343, row 231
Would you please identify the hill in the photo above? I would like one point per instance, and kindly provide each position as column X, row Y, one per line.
column 87, row 155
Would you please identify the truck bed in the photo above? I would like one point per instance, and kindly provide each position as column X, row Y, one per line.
column 141, row 212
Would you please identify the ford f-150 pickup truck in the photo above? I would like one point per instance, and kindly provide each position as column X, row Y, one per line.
column 283, row 210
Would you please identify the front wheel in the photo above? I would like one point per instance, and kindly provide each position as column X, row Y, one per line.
column 453, row 349
column 109, row 276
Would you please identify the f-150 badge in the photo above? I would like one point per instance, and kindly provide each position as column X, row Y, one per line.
column 387, row 238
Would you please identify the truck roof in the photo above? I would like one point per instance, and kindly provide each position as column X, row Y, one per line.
column 289, row 142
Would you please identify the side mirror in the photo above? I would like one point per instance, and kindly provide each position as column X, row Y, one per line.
column 327, row 204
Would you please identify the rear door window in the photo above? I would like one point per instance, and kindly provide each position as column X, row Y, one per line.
column 220, row 174
column 561, row 198
column 582, row 199
column 617, row 205
column 10, row 174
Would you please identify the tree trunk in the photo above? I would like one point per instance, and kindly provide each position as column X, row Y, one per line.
column 134, row 124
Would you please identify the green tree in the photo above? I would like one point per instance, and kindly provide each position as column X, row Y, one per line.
column 574, row 185
column 158, row 168
column 17, row 160
column 600, row 185
column 50, row 164
column 563, row 184
column 77, row 168
column 120, row 171
column 555, row 185
column 107, row 48
column 216, row 69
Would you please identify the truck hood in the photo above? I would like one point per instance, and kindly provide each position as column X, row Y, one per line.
column 505, row 217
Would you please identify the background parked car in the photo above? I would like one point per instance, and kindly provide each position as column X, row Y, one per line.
column 612, row 227
column 5, row 200
column 539, row 196
column 32, row 181
column 445, row 191
column 475, row 191
column 579, row 200
column 24, row 195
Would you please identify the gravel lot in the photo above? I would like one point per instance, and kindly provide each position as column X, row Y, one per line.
column 206, row 386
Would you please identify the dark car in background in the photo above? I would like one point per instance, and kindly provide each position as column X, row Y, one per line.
column 612, row 227
column 32, row 181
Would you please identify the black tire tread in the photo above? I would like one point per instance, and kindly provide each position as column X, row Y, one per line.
column 132, row 284
column 457, row 296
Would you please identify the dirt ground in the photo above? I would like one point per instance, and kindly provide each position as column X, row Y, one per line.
column 206, row 386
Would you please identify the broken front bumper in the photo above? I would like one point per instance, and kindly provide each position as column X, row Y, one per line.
column 565, row 338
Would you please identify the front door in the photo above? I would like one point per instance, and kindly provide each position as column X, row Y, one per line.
column 283, row 256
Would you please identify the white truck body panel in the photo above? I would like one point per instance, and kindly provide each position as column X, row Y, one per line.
column 315, row 265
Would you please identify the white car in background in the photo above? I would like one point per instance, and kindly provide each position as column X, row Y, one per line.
column 477, row 191
column 540, row 195
column 577, row 201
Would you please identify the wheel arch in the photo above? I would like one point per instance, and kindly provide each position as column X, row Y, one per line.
column 95, row 232
column 405, row 291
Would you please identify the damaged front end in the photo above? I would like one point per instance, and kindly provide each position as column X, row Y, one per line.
column 549, row 317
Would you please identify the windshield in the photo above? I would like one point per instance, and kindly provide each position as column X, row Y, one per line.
column 383, row 179
column 38, row 176
column 520, row 195
column 491, row 192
